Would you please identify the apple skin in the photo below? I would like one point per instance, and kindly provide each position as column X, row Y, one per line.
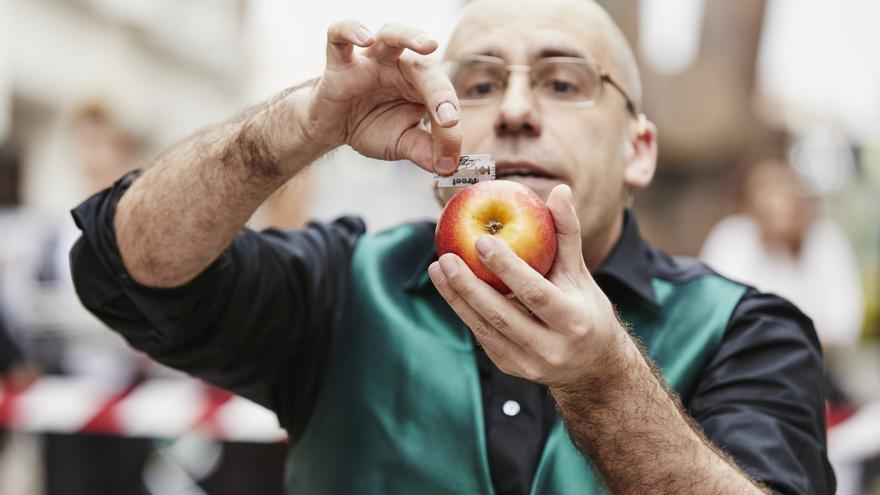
column 511, row 212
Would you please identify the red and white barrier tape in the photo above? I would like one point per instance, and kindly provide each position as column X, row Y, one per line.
column 173, row 407
column 156, row 408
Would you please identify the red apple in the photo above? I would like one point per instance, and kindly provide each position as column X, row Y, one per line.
column 511, row 212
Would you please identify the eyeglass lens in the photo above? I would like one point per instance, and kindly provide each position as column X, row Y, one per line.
column 557, row 79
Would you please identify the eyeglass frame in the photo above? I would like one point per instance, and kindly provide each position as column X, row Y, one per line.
column 604, row 77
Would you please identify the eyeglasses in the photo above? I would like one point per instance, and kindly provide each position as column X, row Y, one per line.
column 570, row 81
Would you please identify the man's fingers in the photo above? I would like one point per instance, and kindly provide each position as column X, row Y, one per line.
column 569, row 254
column 415, row 145
column 423, row 82
column 436, row 92
column 341, row 36
column 498, row 311
column 434, row 87
column 393, row 39
column 430, row 83
column 535, row 292
column 446, row 147
column 503, row 351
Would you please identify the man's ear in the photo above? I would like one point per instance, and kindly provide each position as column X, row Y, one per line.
column 640, row 169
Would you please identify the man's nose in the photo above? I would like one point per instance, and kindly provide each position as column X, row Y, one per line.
column 518, row 113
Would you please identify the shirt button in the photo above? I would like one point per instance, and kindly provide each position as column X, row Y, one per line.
column 510, row 408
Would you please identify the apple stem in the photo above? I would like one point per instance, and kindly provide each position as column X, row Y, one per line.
column 494, row 226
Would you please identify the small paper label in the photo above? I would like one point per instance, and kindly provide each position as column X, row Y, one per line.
column 471, row 169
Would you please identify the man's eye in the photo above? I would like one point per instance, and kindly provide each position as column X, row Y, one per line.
column 562, row 87
column 481, row 89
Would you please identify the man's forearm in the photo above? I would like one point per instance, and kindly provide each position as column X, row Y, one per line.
column 189, row 204
column 636, row 433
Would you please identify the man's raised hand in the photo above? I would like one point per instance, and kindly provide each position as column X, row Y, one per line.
column 374, row 98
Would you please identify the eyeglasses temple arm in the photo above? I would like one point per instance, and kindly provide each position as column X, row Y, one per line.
column 630, row 106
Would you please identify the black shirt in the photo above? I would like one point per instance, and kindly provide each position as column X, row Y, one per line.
column 259, row 322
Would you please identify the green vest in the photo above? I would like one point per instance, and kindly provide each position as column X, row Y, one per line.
column 400, row 408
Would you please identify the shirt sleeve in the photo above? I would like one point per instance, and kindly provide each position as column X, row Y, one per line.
column 761, row 398
column 257, row 321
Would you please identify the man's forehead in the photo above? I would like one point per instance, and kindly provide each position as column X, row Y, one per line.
column 531, row 29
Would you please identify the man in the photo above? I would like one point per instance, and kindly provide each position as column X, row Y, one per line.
column 60, row 337
column 368, row 363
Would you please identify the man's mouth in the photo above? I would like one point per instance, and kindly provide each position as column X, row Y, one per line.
column 522, row 170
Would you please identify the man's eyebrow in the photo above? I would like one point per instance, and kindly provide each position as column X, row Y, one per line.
column 543, row 53
column 560, row 52
column 489, row 52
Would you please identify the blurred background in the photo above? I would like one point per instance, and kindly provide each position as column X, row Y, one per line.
column 769, row 130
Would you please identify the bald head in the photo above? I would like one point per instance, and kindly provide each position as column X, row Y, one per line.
column 581, row 22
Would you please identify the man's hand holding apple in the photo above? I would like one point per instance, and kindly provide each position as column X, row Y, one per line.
column 565, row 334
column 374, row 99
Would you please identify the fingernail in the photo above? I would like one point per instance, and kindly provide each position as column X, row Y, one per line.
column 363, row 35
column 446, row 163
column 449, row 266
column 424, row 39
column 446, row 112
column 436, row 273
column 485, row 246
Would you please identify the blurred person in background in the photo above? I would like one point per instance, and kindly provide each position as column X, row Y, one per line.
column 359, row 342
column 9, row 200
column 9, row 352
column 783, row 242
column 58, row 337
column 20, row 230
column 18, row 453
column 39, row 294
